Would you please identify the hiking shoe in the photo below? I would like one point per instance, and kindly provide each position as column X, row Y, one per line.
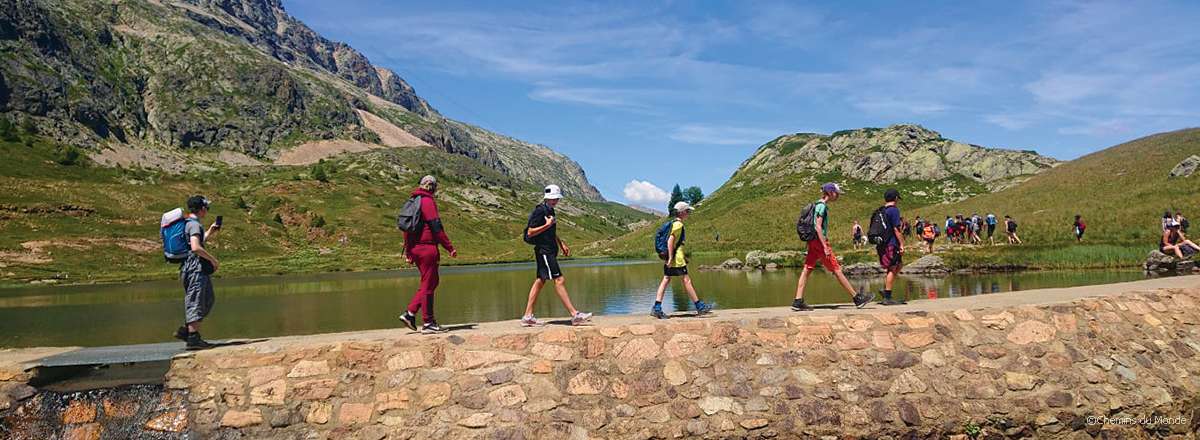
column 862, row 299
column 580, row 318
column 530, row 321
column 409, row 320
column 798, row 305
column 181, row 333
column 432, row 327
column 889, row 301
column 195, row 343
column 657, row 312
column 703, row 308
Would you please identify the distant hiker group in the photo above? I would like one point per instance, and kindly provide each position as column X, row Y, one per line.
column 1174, row 237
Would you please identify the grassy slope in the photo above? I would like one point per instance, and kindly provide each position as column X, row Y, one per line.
column 359, row 201
column 1120, row 191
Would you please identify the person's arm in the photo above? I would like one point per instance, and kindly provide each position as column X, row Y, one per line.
column 563, row 245
column 533, row 231
column 409, row 242
column 817, row 223
column 199, row 250
column 899, row 238
column 670, row 250
column 429, row 213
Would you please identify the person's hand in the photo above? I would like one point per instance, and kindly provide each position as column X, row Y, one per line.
column 566, row 251
column 902, row 249
column 549, row 220
column 454, row 253
column 828, row 250
column 408, row 259
column 216, row 265
column 670, row 262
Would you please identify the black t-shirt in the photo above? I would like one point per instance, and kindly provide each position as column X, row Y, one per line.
column 545, row 243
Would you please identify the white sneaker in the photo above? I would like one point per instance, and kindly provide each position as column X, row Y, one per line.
column 580, row 318
column 529, row 321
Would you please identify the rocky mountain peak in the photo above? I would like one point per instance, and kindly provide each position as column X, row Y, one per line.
column 898, row 152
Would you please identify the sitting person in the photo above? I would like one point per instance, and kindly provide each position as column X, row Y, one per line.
column 1175, row 242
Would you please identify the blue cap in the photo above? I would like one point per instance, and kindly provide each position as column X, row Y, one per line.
column 831, row 188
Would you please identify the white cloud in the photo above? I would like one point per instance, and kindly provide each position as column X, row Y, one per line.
column 722, row 135
column 901, row 107
column 1067, row 88
column 1009, row 121
column 641, row 192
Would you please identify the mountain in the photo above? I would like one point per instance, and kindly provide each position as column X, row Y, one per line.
column 235, row 75
column 113, row 112
column 757, row 207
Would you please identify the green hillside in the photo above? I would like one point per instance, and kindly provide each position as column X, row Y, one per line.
column 1121, row 192
column 86, row 223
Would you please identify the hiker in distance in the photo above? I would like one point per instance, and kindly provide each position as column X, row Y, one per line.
column 668, row 242
column 423, row 232
column 887, row 235
column 1080, row 228
column 542, row 233
column 991, row 227
column 1010, row 226
column 183, row 242
column 813, row 228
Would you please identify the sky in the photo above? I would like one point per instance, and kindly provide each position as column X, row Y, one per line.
column 646, row 94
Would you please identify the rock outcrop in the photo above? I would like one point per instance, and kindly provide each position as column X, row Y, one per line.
column 898, row 152
column 1186, row 167
column 927, row 265
column 772, row 260
column 1158, row 263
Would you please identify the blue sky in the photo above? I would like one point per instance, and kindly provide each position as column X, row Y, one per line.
column 660, row 93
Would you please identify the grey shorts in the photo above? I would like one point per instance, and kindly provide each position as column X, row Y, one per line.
column 198, row 297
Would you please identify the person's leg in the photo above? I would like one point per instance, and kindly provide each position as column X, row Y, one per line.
column 428, row 271
column 841, row 277
column 560, row 286
column 691, row 291
column 804, row 274
column 662, row 289
column 533, row 294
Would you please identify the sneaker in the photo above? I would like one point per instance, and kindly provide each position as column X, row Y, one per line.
column 530, row 321
column 798, row 305
column 580, row 318
column 657, row 312
column 409, row 320
column 862, row 299
column 195, row 343
column 703, row 308
column 889, row 301
column 181, row 333
column 431, row 327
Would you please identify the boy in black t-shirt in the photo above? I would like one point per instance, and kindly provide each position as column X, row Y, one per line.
column 542, row 232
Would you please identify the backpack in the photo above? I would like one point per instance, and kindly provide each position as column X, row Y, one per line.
column 879, row 227
column 806, row 225
column 929, row 233
column 409, row 219
column 663, row 235
column 173, row 230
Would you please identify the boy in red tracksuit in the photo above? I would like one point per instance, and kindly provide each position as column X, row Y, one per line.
column 421, row 248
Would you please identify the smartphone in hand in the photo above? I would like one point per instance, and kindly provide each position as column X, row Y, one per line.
column 218, row 223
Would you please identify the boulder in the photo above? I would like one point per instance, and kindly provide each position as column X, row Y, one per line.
column 1158, row 263
column 863, row 270
column 1187, row 167
column 760, row 259
column 732, row 264
column 927, row 265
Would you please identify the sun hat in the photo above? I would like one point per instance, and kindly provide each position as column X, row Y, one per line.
column 683, row 206
column 552, row 192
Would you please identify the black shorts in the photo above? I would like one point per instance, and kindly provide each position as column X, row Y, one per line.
column 991, row 230
column 547, row 266
column 674, row 271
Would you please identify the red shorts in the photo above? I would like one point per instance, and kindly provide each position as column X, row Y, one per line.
column 816, row 254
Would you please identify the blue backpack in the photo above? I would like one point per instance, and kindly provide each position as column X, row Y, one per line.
column 661, row 237
column 174, row 236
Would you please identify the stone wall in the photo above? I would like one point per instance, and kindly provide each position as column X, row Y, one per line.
column 1041, row 371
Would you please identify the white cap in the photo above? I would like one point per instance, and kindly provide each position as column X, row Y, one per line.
column 552, row 192
column 683, row 206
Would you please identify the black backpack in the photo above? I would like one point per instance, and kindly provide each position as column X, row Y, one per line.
column 409, row 219
column 877, row 232
column 806, row 225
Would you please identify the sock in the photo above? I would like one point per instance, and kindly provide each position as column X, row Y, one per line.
column 887, row 294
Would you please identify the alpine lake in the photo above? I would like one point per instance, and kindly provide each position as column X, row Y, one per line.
column 146, row 312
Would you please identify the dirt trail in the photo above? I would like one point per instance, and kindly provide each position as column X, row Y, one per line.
column 389, row 133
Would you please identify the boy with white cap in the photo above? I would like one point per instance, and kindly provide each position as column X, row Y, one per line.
column 676, row 265
column 542, row 233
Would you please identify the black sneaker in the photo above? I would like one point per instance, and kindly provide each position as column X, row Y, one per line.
column 889, row 301
column 798, row 305
column 195, row 343
column 409, row 320
column 862, row 299
column 432, row 327
column 181, row 333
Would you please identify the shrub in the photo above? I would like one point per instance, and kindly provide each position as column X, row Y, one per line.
column 278, row 218
column 7, row 132
column 66, row 155
column 319, row 222
column 318, row 172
